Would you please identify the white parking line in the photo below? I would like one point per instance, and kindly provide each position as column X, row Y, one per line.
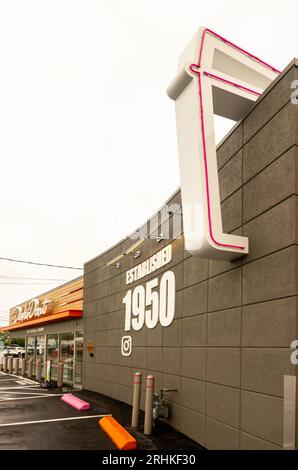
column 7, row 380
column 31, row 398
column 20, row 387
column 18, row 382
column 26, row 379
column 26, row 393
column 53, row 420
column 19, row 377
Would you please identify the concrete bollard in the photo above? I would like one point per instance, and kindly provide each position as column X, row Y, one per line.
column 60, row 374
column 149, row 405
column 1, row 363
column 137, row 382
column 19, row 362
column 9, row 364
column 23, row 367
column 38, row 370
column 5, row 363
column 15, row 366
column 30, row 368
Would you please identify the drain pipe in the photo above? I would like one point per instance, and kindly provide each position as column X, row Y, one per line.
column 149, row 405
column 1, row 363
column 137, row 382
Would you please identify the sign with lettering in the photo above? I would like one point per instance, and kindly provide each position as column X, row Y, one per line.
column 157, row 261
column 214, row 77
column 32, row 309
column 150, row 303
column 35, row 330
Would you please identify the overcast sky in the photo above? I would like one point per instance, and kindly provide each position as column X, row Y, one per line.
column 88, row 140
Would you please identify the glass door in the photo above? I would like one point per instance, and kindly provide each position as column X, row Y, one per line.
column 30, row 352
column 40, row 352
column 30, row 347
column 53, row 354
column 79, row 346
column 67, row 356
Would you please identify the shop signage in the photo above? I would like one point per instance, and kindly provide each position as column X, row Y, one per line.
column 214, row 77
column 34, row 308
column 150, row 303
column 157, row 261
column 126, row 345
column 35, row 330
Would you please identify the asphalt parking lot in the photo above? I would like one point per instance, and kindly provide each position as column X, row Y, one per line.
column 34, row 418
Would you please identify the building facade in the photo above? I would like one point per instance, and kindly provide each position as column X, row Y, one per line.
column 219, row 332
column 52, row 327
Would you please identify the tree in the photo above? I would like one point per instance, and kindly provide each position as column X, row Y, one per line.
column 4, row 336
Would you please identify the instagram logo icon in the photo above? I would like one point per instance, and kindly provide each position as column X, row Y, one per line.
column 126, row 345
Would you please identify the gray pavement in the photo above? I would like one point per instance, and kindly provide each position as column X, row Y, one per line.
column 34, row 418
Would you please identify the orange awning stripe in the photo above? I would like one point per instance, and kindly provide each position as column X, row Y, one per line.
column 60, row 316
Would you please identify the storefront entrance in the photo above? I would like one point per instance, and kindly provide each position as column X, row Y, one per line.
column 78, row 363
column 65, row 347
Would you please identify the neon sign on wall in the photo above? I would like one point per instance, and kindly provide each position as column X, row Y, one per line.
column 214, row 77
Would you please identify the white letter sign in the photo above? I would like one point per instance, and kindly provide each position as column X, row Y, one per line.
column 214, row 77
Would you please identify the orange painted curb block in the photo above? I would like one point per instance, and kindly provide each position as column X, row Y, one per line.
column 120, row 437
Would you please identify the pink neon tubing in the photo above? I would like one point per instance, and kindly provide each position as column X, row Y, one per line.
column 203, row 126
column 207, row 30
column 216, row 77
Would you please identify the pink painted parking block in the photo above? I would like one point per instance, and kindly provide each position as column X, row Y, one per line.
column 75, row 402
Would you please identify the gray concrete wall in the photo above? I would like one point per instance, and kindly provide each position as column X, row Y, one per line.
column 229, row 346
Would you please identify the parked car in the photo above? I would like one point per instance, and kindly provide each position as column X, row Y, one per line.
column 14, row 350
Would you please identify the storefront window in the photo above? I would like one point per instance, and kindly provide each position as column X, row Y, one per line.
column 40, row 351
column 53, row 353
column 18, row 342
column 67, row 355
column 30, row 349
column 64, row 347
column 79, row 346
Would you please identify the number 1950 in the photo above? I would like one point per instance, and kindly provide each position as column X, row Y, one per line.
column 144, row 305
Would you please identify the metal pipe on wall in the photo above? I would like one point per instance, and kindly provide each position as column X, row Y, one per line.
column 137, row 382
column 149, row 405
